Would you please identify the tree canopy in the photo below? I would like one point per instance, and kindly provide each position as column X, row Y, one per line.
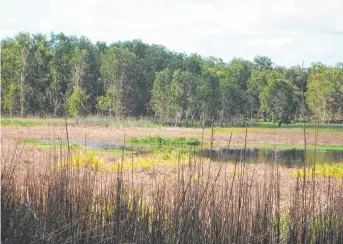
column 59, row 74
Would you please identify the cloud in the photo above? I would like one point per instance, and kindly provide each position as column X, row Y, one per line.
column 288, row 31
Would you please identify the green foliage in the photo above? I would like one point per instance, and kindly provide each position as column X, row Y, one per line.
column 103, row 104
column 183, row 100
column 208, row 98
column 164, row 141
column 118, row 68
column 19, row 122
column 279, row 100
column 45, row 76
column 10, row 98
column 15, row 57
column 89, row 120
column 37, row 143
column 160, row 94
column 76, row 103
column 263, row 62
column 235, row 102
column 31, row 121
column 325, row 92
column 311, row 126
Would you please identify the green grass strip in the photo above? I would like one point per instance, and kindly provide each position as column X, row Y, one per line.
column 165, row 141
column 291, row 146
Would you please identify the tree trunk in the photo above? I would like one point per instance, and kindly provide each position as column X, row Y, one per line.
column 21, row 94
column 280, row 122
column 324, row 112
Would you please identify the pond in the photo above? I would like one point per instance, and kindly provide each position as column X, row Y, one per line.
column 287, row 157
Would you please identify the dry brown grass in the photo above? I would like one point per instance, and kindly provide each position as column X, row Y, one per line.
column 255, row 135
column 195, row 201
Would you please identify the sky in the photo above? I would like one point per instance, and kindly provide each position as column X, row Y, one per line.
column 288, row 31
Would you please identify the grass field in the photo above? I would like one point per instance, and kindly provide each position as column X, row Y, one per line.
column 297, row 126
column 99, row 121
column 84, row 121
column 291, row 146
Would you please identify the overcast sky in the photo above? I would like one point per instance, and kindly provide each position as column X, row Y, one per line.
column 287, row 31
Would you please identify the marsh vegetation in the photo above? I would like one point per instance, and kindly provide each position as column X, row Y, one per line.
column 60, row 191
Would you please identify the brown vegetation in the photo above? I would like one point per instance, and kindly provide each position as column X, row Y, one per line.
column 195, row 201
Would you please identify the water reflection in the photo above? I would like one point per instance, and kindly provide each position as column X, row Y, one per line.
column 106, row 145
column 287, row 157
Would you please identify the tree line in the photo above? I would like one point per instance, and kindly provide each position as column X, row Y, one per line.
column 68, row 75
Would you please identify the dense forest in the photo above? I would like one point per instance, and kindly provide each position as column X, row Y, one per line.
column 67, row 75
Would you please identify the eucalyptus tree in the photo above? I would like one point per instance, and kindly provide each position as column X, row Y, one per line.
column 57, row 74
column 160, row 99
column 193, row 64
column 325, row 92
column 263, row 62
column 256, row 83
column 183, row 100
column 279, row 100
column 39, row 79
column 61, row 72
column 233, row 86
column 15, row 70
column 234, row 102
column 91, row 77
column 259, row 80
column 10, row 79
column 208, row 97
column 118, row 70
column 76, row 101
column 239, row 71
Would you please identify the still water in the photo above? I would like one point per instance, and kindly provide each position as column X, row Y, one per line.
column 94, row 144
column 288, row 157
